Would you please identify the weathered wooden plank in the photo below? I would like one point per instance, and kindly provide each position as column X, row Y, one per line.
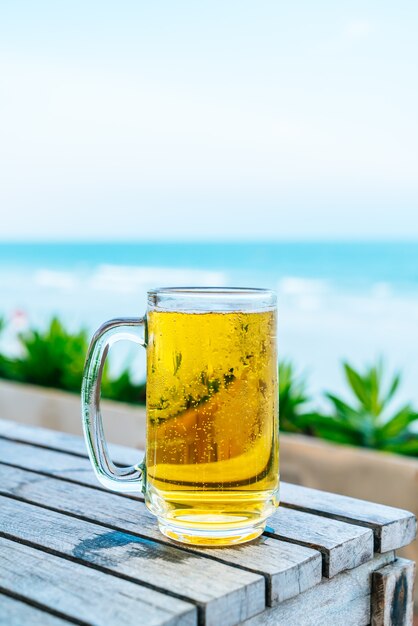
column 63, row 441
column 85, row 594
column 393, row 528
column 16, row 613
column 343, row 546
column 287, row 568
column 49, row 462
column 340, row 601
column 336, row 558
column 225, row 595
column 392, row 594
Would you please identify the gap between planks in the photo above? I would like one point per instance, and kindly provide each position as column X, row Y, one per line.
column 50, row 617
column 343, row 546
column 389, row 533
column 287, row 569
column 218, row 589
column 85, row 594
column 338, row 557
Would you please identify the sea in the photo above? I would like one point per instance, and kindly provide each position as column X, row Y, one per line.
column 337, row 300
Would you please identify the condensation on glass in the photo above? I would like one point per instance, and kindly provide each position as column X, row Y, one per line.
column 210, row 472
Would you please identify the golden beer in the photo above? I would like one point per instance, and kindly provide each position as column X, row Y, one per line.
column 212, row 425
column 211, row 467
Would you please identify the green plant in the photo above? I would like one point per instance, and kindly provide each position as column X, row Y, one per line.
column 52, row 358
column 55, row 358
column 6, row 364
column 293, row 398
column 369, row 420
column 123, row 388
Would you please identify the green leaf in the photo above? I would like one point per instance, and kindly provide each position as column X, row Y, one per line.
column 398, row 423
column 331, row 434
column 373, row 381
column 356, row 383
column 345, row 411
column 317, row 423
column 408, row 447
column 293, row 397
column 330, row 427
column 393, row 388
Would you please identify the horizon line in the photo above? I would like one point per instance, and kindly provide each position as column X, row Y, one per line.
column 195, row 241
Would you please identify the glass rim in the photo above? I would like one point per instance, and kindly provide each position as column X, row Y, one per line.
column 211, row 299
column 237, row 291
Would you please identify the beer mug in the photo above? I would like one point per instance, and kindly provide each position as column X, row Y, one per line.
column 210, row 472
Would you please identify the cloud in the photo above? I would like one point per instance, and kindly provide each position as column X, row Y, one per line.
column 358, row 29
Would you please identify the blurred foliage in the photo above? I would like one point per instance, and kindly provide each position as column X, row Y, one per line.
column 52, row 358
column 293, row 398
column 6, row 367
column 369, row 420
column 55, row 358
column 123, row 389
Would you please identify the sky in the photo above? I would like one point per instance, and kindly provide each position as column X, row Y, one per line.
column 208, row 120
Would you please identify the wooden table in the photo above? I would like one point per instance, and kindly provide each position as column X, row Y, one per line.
column 71, row 552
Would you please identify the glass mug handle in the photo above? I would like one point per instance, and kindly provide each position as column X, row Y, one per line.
column 122, row 479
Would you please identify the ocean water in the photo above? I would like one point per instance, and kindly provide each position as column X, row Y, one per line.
column 354, row 301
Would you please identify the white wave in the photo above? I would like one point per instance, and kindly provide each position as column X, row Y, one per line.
column 56, row 280
column 131, row 279
column 295, row 286
column 304, row 294
column 381, row 290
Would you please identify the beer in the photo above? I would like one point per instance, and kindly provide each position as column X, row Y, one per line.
column 210, row 472
column 212, row 429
